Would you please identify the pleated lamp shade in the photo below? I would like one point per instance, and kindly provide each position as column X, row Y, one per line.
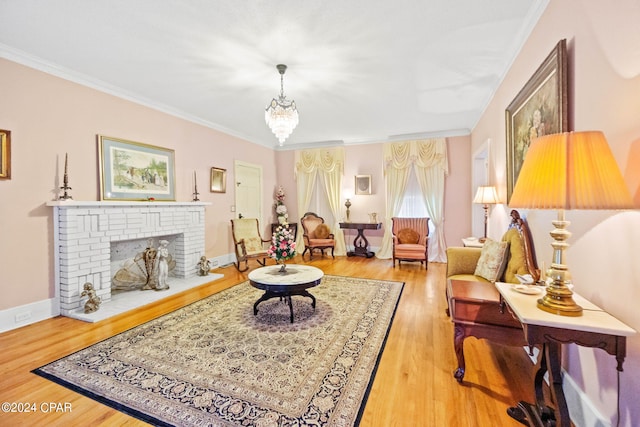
column 486, row 195
column 571, row 170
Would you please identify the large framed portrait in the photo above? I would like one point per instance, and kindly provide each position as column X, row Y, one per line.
column 5, row 154
column 135, row 171
column 540, row 108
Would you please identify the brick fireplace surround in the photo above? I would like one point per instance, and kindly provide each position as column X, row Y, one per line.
column 84, row 233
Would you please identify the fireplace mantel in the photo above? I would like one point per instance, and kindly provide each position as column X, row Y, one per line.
column 85, row 230
column 94, row 203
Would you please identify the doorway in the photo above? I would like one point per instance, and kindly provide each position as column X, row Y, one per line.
column 248, row 194
column 480, row 176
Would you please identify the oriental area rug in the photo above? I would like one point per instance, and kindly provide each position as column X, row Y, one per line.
column 215, row 363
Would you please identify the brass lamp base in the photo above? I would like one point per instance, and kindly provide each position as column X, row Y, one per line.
column 559, row 300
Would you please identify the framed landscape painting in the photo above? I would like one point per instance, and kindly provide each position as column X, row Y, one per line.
column 540, row 108
column 135, row 171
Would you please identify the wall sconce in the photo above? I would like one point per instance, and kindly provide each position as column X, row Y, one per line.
column 486, row 195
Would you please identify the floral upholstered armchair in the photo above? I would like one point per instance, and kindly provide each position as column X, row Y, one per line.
column 317, row 235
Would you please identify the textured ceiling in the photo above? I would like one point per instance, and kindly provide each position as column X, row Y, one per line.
column 359, row 70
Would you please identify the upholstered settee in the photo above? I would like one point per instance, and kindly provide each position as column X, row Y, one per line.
column 473, row 302
column 519, row 257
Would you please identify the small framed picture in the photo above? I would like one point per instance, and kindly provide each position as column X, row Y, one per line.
column 218, row 180
column 363, row 184
column 5, row 154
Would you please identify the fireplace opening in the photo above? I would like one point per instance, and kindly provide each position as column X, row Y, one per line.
column 134, row 261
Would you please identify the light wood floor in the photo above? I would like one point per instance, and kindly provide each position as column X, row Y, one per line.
column 413, row 386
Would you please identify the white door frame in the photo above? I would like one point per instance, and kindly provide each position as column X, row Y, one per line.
column 479, row 176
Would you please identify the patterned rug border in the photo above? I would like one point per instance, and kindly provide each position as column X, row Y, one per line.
column 365, row 397
column 142, row 416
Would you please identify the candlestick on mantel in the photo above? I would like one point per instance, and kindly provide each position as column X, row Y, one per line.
column 195, row 187
column 65, row 179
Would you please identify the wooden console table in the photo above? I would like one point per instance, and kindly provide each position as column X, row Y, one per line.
column 595, row 328
column 360, row 243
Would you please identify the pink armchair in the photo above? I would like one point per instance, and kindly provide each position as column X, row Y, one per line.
column 410, row 240
column 317, row 235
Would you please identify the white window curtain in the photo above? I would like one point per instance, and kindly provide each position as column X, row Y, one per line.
column 328, row 163
column 428, row 158
column 413, row 201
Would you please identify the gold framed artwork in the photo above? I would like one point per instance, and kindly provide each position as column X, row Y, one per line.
column 540, row 108
column 363, row 184
column 218, row 180
column 5, row 154
column 135, row 171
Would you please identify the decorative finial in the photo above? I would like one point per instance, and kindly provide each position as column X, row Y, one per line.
column 65, row 179
column 195, row 188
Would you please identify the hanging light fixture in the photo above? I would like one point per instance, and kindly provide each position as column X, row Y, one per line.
column 281, row 115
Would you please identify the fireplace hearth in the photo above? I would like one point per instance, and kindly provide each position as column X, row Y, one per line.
column 85, row 234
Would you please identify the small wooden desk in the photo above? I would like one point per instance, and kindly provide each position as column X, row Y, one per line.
column 360, row 243
column 595, row 328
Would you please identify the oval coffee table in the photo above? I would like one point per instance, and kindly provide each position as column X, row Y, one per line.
column 295, row 281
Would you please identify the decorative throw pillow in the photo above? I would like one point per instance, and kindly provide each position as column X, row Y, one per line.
column 493, row 260
column 322, row 231
column 407, row 235
column 517, row 263
column 253, row 244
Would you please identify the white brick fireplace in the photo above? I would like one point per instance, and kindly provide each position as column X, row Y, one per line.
column 84, row 233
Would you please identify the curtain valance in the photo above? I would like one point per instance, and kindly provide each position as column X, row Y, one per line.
column 325, row 159
column 423, row 153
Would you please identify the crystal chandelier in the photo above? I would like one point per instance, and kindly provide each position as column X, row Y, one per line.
column 281, row 115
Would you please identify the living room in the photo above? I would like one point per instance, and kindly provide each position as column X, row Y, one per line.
column 50, row 116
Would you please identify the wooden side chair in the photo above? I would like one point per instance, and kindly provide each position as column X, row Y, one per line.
column 317, row 235
column 247, row 242
column 410, row 240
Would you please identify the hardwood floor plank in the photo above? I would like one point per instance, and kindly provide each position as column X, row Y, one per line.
column 414, row 383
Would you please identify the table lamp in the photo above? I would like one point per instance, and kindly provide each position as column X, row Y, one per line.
column 486, row 195
column 571, row 170
column 348, row 194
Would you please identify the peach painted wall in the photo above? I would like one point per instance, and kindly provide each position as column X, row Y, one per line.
column 366, row 159
column 48, row 117
column 604, row 94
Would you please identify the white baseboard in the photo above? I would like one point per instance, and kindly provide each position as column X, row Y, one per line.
column 222, row 261
column 17, row 317
column 583, row 412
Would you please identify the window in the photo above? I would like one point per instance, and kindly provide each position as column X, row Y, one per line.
column 413, row 202
column 319, row 203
